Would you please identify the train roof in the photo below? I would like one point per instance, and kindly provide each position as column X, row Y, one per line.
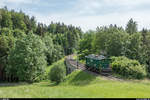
column 97, row 57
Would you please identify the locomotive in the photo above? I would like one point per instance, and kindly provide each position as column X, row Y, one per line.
column 98, row 63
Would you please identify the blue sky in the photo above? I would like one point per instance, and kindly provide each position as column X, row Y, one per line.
column 88, row 14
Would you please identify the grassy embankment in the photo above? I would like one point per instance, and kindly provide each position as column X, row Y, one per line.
column 78, row 84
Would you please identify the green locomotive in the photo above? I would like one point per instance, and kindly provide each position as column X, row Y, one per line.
column 97, row 62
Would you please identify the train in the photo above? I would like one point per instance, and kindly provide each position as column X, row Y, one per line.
column 97, row 63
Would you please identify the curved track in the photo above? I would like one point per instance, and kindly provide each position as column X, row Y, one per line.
column 82, row 67
column 79, row 65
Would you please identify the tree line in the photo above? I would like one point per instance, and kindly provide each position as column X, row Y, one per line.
column 116, row 41
column 27, row 47
column 16, row 30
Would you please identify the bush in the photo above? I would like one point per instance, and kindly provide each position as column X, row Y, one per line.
column 57, row 72
column 128, row 68
column 27, row 59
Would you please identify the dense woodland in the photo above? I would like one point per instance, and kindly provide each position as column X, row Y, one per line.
column 27, row 47
column 21, row 36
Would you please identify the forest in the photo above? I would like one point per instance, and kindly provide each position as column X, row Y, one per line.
column 27, row 47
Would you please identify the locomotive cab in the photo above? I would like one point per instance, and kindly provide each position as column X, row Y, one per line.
column 97, row 62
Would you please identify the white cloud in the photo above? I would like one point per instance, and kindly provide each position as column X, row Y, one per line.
column 1, row 3
column 125, row 2
column 91, row 22
column 83, row 13
column 18, row 1
column 92, row 6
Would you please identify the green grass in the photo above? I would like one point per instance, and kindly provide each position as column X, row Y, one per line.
column 79, row 84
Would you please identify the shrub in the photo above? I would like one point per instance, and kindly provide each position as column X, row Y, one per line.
column 27, row 59
column 57, row 72
column 128, row 68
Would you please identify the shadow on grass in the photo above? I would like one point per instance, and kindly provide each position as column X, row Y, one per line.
column 6, row 84
column 82, row 78
column 46, row 84
column 49, row 84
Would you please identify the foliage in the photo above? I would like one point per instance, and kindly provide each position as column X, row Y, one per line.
column 17, row 33
column 128, row 68
column 66, row 36
column 27, row 59
column 145, row 51
column 85, row 45
column 58, row 52
column 6, row 43
column 5, row 31
column 57, row 72
column 131, row 27
column 5, row 19
column 109, row 41
column 47, row 39
column 18, row 21
column 133, row 46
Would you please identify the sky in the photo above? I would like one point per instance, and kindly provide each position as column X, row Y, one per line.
column 88, row 14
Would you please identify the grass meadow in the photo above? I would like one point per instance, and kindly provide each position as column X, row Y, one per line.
column 78, row 84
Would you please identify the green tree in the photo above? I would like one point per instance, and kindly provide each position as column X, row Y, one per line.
column 47, row 39
column 27, row 59
column 145, row 51
column 41, row 29
column 57, row 53
column 17, row 33
column 133, row 48
column 6, row 43
column 86, row 44
column 110, row 40
column 131, row 27
column 6, row 19
column 30, row 23
column 18, row 21
column 67, row 36
column 6, row 31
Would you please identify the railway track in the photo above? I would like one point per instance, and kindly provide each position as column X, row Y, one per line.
column 81, row 66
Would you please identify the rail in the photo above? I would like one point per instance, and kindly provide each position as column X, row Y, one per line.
column 70, row 66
